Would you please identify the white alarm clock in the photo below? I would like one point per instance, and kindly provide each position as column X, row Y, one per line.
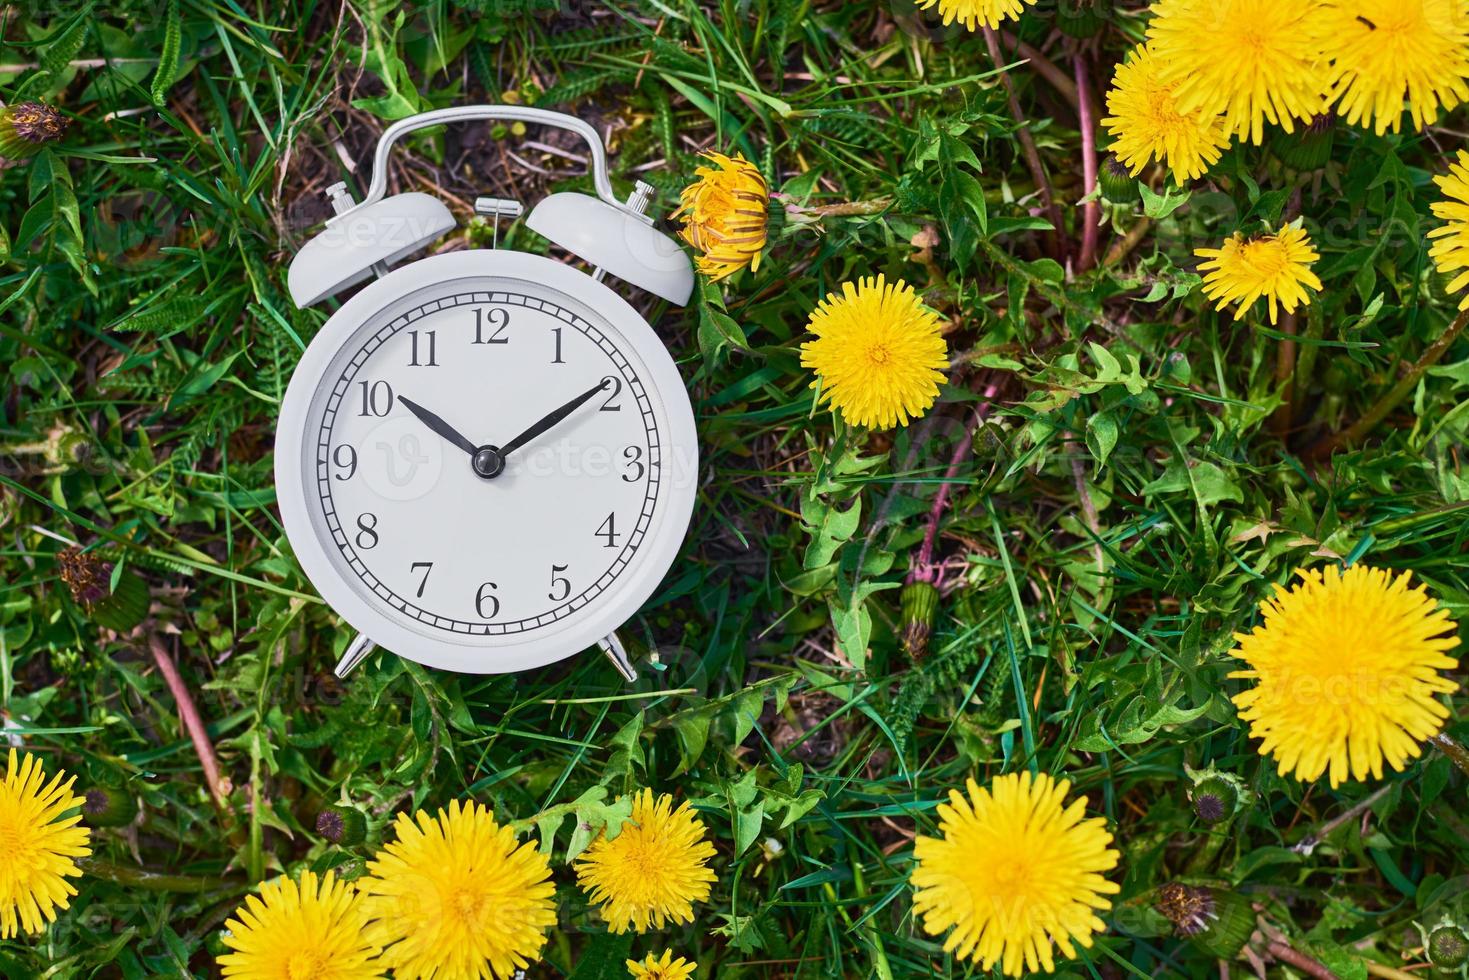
column 486, row 459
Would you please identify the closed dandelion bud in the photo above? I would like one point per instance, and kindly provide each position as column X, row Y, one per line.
column 1214, row 800
column 1118, row 184
column 108, row 806
column 1448, row 948
column 25, row 127
column 920, row 601
column 1080, row 18
column 344, row 825
column 1308, row 149
column 1341, row 376
column 1218, row 921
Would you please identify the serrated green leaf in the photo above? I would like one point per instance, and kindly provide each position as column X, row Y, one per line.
column 169, row 56
column 58, row 52
column 1159, row 206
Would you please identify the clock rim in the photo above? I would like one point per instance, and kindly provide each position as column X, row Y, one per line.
column 466, row 654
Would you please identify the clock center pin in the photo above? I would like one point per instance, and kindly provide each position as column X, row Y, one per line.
column 488, row 462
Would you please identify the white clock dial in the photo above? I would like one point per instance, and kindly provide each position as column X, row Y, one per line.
column 527, row 538
column 485, row 460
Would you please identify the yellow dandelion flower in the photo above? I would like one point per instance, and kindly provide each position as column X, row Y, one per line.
column 454, row 896
column 974, row 14
column 725, row 214
column 666, row 968
column 294, row 931
column 1387, row 51
column 1247, row 60
column 878, row 354
column 1345, row 671
column 1015, row 872
column 1147, row 123
column 653, row 871
column 1451, row 252
column 38, row 846
column 1276, row 266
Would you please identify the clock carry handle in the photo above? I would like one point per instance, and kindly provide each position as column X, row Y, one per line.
column 512, row 113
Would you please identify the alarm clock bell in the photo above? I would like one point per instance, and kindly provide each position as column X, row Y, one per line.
column 365, row 239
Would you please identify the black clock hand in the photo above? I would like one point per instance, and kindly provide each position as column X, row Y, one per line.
column 439, row 425
column 551, row 419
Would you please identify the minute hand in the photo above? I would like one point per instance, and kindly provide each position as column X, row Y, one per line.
column 551, row 419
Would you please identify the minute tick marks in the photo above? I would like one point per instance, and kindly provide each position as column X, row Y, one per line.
column 490, row 516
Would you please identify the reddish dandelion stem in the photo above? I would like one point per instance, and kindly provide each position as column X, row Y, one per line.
column 922, row 570
column 192, row 722
column 1027, row 144
column 1091, row 215
column 1300, row 961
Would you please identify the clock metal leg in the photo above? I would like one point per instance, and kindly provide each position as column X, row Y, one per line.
column 613, row 650
column 357, row 651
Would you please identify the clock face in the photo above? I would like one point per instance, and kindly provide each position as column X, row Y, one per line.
column 489, row 461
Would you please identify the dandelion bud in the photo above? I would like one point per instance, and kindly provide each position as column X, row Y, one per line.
column 1308, row 149
column 25, row 127
column 920, row 601
column 1119, row 186
column 1448, row 948
column 110, row 806
column 344, row 825
column 1214, row 800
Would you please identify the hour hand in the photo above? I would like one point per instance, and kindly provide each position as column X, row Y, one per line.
column 439, row 425
column 552, row 419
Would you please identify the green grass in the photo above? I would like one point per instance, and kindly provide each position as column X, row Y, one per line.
column 147, row 340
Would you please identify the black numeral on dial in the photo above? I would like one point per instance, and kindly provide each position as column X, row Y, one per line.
column 430, row 346
column 367, row 531
column 634, row 457
column 559, row 584
column 427, row 567
column 607, row 406
column 377, row 398
column 489, row 326
column 345, row 457
column 486, row 597
column 557, row 359
column 607, row 531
